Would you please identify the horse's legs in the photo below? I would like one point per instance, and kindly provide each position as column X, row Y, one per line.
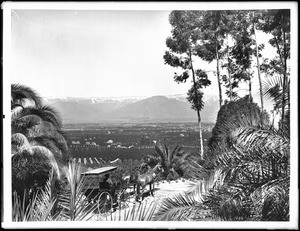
column 150, row 189
column 152, row 186
column 137, row 192
column 142, row 192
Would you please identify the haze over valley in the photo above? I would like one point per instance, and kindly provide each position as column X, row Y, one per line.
column 173, row 108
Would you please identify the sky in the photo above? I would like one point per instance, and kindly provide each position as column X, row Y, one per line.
column 92, row 53
column 100, row 53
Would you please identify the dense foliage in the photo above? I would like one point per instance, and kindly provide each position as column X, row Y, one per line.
column 37, row 140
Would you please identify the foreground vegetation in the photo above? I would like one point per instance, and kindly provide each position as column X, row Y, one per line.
column 244, row 176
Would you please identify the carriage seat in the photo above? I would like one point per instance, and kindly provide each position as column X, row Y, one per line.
column 104, row 186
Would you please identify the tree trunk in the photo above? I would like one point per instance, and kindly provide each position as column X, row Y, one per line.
column 218, row 76
column 198, row 110
column 228, row 69
column 259, row 77
column 284, row 80
column 250, row 86
column 250, row 96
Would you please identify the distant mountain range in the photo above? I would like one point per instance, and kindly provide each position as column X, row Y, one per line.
column 174, row 108
column 170, row 108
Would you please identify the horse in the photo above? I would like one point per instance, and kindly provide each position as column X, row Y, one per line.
column 132, row 176
column 147, row 179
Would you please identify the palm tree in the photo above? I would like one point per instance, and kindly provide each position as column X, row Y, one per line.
column 37, row 138
column 40, row 208
column 21, row 94
column 253, row 182
column 273, row 89
column 258, row 163
column 255, row 157
column 48, row 205
column 173, row 159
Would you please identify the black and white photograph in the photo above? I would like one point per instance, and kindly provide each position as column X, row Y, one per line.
column 150, row 115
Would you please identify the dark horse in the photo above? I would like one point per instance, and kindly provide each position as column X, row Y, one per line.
column 147, row 179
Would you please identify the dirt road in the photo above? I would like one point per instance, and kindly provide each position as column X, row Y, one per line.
column 162, row 190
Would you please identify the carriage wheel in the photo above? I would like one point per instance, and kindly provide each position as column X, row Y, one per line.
column 104, row 202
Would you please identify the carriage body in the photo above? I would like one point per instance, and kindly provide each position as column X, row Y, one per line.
column 95, row 190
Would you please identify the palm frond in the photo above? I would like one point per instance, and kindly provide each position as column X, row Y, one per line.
column 46, row 113
column 38, row 154
column 273, row 90
column 39, row 208
column 250, row 138
column 228, row 203
column 235, row 115
column 178, row 208
column 271, row 200
column 137, row 212
column 19, row 142
column 21, row 93
column 189, row 205
column 75, row 204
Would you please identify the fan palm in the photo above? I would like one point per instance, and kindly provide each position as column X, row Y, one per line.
column 20, row 95
column 38, row 126
column 37, row 137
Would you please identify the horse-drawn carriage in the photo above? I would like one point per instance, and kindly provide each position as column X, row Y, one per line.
column 109, row 195
column 98, row 189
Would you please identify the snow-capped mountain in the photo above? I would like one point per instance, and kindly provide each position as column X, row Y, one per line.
column 171, row 108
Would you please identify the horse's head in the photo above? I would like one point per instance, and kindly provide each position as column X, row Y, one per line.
column 126, row 178
column 143, row 168
column 158, row 168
